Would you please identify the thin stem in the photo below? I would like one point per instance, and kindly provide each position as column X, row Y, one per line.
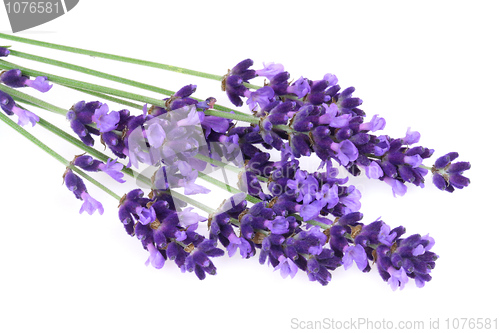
column 92, row 72
column 55, row 155
column 108, row 76
column 108, row 98
column 85, row 85
column 239, row 117
column 112, row 57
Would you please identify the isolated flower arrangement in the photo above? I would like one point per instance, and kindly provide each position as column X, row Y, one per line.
column 291, row 218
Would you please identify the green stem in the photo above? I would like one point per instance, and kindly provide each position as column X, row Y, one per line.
column 107, row 76
column 92, row 72
column 84, row 85
column 192, row 202
column 239, row 117
column 112, row 57
column 55, row 155
column 108, row 98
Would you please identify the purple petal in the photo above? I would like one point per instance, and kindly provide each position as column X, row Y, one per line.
column 374, row 171
column 25, row 117
column 192, row 118
column 287, row 267
column 40, row 83
column 411, row 137
column 398, row 278
column 300, row 87
column 310, row 211
column 418, row 250
column 147, row 215
column 270, row 70
column 398, row 188
column 113, row 169
column 90, row 205
column 217, row 124
column 357, row 254
column 155, row 135
column 156, row 259
column 105, row 122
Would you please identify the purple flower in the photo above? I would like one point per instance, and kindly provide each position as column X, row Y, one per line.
column 377, row 123
column 191, row 117
column 398, row 188
column 277, row 226
column 25, row 117
column 8, row 105
column 304, row 185
column 411, row 137
column 147, row 215
column 113, row 169
column 261, row 96
column 156, row 259
column 90, row 205
column 75, row 184
column 430, row 241
column 105, row 122
column 287, row 267
column 356, row 254
column 14, row 78
column 351, row 201
column 413, row 160
column 332, row 118
column 4, row 52
column 311, row 210
column 190, row 187
column 300, row 87
column 448, row 176
column 270, row 70
column 238, row 243
column 398, row 278
column 40, row 83
column 374, row 171
column 385, row 236
column 189, row 218
column 155, row 135
column 346, row 151
column 328, row 196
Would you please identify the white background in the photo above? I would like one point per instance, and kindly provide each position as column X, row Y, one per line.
column 429, row 65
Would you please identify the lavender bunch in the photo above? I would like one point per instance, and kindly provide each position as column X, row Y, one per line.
column 319, row 117
column 292, row 218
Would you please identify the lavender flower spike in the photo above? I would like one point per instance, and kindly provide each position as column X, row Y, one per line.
column 9, row 107
column 14, row 78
